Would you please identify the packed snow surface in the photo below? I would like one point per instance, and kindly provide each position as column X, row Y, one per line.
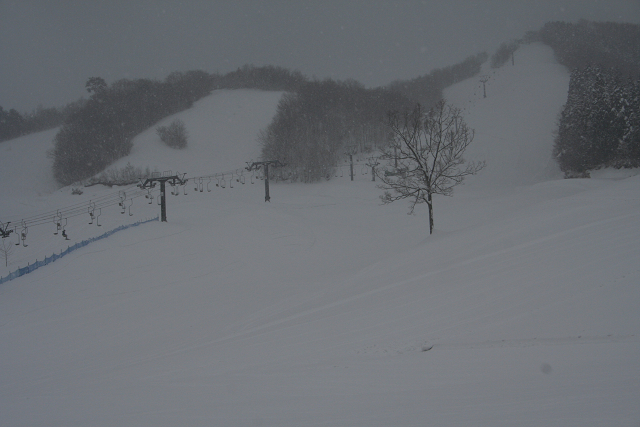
column 323, row 307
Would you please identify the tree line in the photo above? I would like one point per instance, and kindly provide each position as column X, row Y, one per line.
column 427, row 89
column 14, row 124
column 593, row 44
column 316, row 121
column 323, row 120
column 599, row 125
column 102, row 129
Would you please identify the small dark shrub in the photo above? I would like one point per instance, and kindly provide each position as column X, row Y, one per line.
column 175, row 135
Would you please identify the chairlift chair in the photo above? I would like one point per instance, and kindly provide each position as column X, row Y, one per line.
column 123, row 197
column 23, row 234
column 64, row 231
column 57, row 221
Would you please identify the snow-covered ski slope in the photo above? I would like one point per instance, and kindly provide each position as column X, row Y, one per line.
column 323, row 308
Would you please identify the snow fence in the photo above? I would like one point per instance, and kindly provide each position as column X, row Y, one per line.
column 48, row 260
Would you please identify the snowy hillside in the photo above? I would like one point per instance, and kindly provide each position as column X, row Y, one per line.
column 324, row 308
column 223, row 130
column 26, row 170
column 514, row 124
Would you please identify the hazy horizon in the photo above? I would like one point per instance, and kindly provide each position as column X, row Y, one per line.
column 52, row 47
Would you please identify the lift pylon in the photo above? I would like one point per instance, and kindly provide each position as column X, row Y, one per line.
column 172, row 180
column 265, row 164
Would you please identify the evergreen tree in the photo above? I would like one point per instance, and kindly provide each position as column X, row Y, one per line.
column 599, row 124
column 629, row 148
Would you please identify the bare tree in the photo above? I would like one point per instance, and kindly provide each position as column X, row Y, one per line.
column 425, row 156
column 6, row 249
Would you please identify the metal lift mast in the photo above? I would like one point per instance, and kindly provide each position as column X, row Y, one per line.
column 265, row 164
column 172, row 180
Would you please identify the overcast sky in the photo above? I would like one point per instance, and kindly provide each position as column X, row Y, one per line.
column 48, row 49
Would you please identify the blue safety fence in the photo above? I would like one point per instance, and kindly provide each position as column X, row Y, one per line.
column 48, row 260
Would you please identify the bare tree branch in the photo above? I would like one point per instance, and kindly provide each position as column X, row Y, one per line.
column 425, row 156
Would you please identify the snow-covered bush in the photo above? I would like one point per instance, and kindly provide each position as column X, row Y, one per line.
column 175, row 135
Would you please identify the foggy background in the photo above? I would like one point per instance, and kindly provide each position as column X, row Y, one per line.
column 49, row 49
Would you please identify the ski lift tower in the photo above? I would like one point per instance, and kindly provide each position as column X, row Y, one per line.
column 172, row 180
column 265, row 164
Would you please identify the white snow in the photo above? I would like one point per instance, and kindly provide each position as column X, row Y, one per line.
column 223, row 131
column 26, row 170
column 316, row 309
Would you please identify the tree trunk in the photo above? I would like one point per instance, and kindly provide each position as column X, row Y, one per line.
column 430, row 205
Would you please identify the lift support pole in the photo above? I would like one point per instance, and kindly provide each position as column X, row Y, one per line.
column 173, row 180
column 265, row 164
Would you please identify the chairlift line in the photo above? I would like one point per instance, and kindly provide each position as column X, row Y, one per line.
column 259, row 170
column 72, row 210
column 61, row 216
